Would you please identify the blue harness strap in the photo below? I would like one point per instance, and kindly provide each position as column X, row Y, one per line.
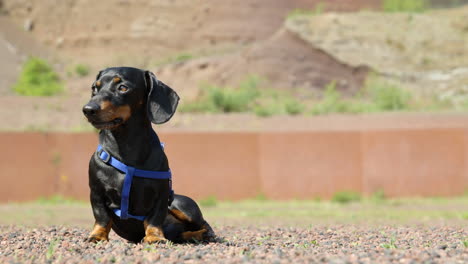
column 130, row 172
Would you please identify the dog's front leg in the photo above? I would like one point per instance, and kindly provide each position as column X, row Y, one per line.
column 153, row 224
column 103, row 222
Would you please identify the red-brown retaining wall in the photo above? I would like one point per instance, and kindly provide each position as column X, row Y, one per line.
column 281, row 165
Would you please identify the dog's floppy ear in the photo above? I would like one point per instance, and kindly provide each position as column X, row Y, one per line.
column 162, row 100
column 98, row 75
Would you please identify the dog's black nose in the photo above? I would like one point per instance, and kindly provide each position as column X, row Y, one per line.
column 91, row 109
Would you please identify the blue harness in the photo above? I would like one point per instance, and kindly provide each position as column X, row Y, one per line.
column 130, row 172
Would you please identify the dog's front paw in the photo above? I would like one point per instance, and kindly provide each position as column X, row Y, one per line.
column 151, row 239
column 96, row 238
column 99, row 233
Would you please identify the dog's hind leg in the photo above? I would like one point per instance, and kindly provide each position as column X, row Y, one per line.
column 209, row 235
column 187, row 212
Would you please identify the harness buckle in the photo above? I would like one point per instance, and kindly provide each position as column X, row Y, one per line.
column 104, row 156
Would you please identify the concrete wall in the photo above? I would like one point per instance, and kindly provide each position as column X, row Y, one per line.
column 281, row 165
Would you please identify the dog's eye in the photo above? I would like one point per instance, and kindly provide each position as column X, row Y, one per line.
column 122, row 88
column 94, row 90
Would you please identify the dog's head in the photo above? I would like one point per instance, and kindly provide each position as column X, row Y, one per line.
column 120, row 92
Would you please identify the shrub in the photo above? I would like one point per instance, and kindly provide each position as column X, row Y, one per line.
column 331, row 102
column 293, row 106
column 386, row 96
column 82, row 70
column 225, row 99
column 405, row 5
column 265, row 110
column 376, row 96
column 38, row 79
column 346, row 197
column 229, row 100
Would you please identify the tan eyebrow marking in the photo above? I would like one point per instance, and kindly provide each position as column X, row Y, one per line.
column 116, row 79
column 98, row 84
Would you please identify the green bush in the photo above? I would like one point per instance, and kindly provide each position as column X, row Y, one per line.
column 293, row 106
column 82, row 70
column 346, row 197
column 229, row 100
column 386, row 96
column 331, row 102
column 265, row 110
column 376, row 96
column 225, row 99
column 38, row 79
column 405, row 5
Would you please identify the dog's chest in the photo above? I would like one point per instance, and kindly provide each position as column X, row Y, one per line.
column 143, row 192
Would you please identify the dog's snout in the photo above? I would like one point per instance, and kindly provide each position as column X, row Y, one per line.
column 91, row 109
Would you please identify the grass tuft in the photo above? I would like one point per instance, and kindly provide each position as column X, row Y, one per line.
column 51, row 249
column 37, row 78
column 386, row 96
column 319, row 9
column 377, row 95
column 344, row 197
column 216, row 99
column 82, row 70
column 391, row 244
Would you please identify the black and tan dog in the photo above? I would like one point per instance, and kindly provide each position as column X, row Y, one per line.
column 123, row 104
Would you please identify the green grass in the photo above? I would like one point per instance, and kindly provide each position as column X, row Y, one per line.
column 385, row 96
column 37, row 78
column 209, row 201
column 82, row 70
column 68, row 212
column 217, row 99
column 378, row 94
column 332, row 102
column 346, row 197
column 246, row 97
column 304, row 211
column 319, row 9
column 177, row 58
column 51, row 249
column 56, row 200
column 409, row 6
column 378, row 196
column 182, row 57
column 391, row 244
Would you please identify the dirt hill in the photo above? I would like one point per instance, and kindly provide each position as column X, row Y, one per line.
column 284, row 59
column 216, row 41
column 426, row 51
column 143, row 32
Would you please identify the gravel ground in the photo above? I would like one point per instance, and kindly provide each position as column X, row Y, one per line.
column 323, row 244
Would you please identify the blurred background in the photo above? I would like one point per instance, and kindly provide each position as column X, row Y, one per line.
column 299, row 99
